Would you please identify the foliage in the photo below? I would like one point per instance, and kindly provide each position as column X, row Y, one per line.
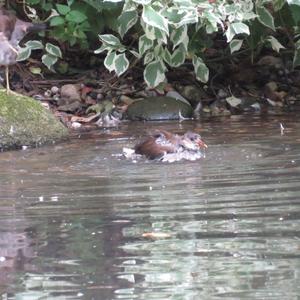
column 52, row 52
column 169, row 32
column 72, row 23
column 75, row 22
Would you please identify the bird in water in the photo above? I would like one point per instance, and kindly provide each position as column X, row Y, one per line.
column 12, row 31
column 166, row 146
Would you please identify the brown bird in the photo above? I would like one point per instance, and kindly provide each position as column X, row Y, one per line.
column 12, row 31
column 163, row 142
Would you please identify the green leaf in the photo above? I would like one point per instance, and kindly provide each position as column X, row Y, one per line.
column 265, row 17
column 148, row 58
column 144, row 44
column 235, row 45
column 154, row 74
column 76, row 16
column 49, row 60
column 167, row 56
column 201, row 70
column 178, row 57
column 35, row 70
column 126, row 20
column 236, row 28
column 109, row 61
column 295, row 12
column 296, row 60
column 155, row 19
column 276, row 46
column 110, row 40
column 23, row 54
column 34, row 45
column 278, row 4
column 53, row 50
column 296, row 2
column 179, row 35
column 143, row 2
column 135, row 53
column 56, row 21
column 63, row 9
column 121, row 64
column 104, row 47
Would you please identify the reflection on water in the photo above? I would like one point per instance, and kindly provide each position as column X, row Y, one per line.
column 80, row 222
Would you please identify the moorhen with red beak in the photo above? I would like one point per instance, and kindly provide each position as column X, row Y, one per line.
column 165, row 146
column 12, row 31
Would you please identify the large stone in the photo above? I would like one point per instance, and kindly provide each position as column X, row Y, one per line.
column 159, row 108
column 24, row 121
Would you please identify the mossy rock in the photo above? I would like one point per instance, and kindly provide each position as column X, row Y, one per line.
column 24, row 121
column 159, row 108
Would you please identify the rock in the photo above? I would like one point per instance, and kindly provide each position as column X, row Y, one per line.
column 159, row 108
column 176, row 95
column 272, row 86
column 25, row 122
column 54, row 90
column 222, row 94
column 69, row 93
column 271, row 61
column 233, row 101
column 70, row 107
column 218, row 108
column 192, row 93
column 126, row 100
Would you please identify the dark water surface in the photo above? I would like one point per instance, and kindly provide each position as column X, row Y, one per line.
column 78, row 221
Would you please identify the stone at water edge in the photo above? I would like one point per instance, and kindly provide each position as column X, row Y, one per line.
column 159, row 108
column 25, row 122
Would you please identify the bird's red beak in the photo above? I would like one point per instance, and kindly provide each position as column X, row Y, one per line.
column 201, row 144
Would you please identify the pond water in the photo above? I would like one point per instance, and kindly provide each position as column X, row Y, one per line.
column 78, row 221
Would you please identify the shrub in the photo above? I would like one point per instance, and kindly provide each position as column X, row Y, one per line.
column 168, row 32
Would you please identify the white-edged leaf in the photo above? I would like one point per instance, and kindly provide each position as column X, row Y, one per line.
column 179, row 35
column 23, row 54
column 104, row 47
column 265, row 17
column 143, row 2
column 121, row 64
column 109, row 61
column 167, row 56
column 149, row 31
column 236, row 28
column 201, row 70
column 160, row 36
column 136, row 54
column 155, row 19
column 276, row 46
column 235, row 45
column 53, row 50
column 148, row 58
column 126, row 20
column 178, row 57
column 49, row 60
column 154, row 74
column 110, row 39
column 144, row 44
column 34, row 45
column 190, row 17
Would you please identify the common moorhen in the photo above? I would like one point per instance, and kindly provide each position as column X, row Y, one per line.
column 165, row 146
column 12, row 31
